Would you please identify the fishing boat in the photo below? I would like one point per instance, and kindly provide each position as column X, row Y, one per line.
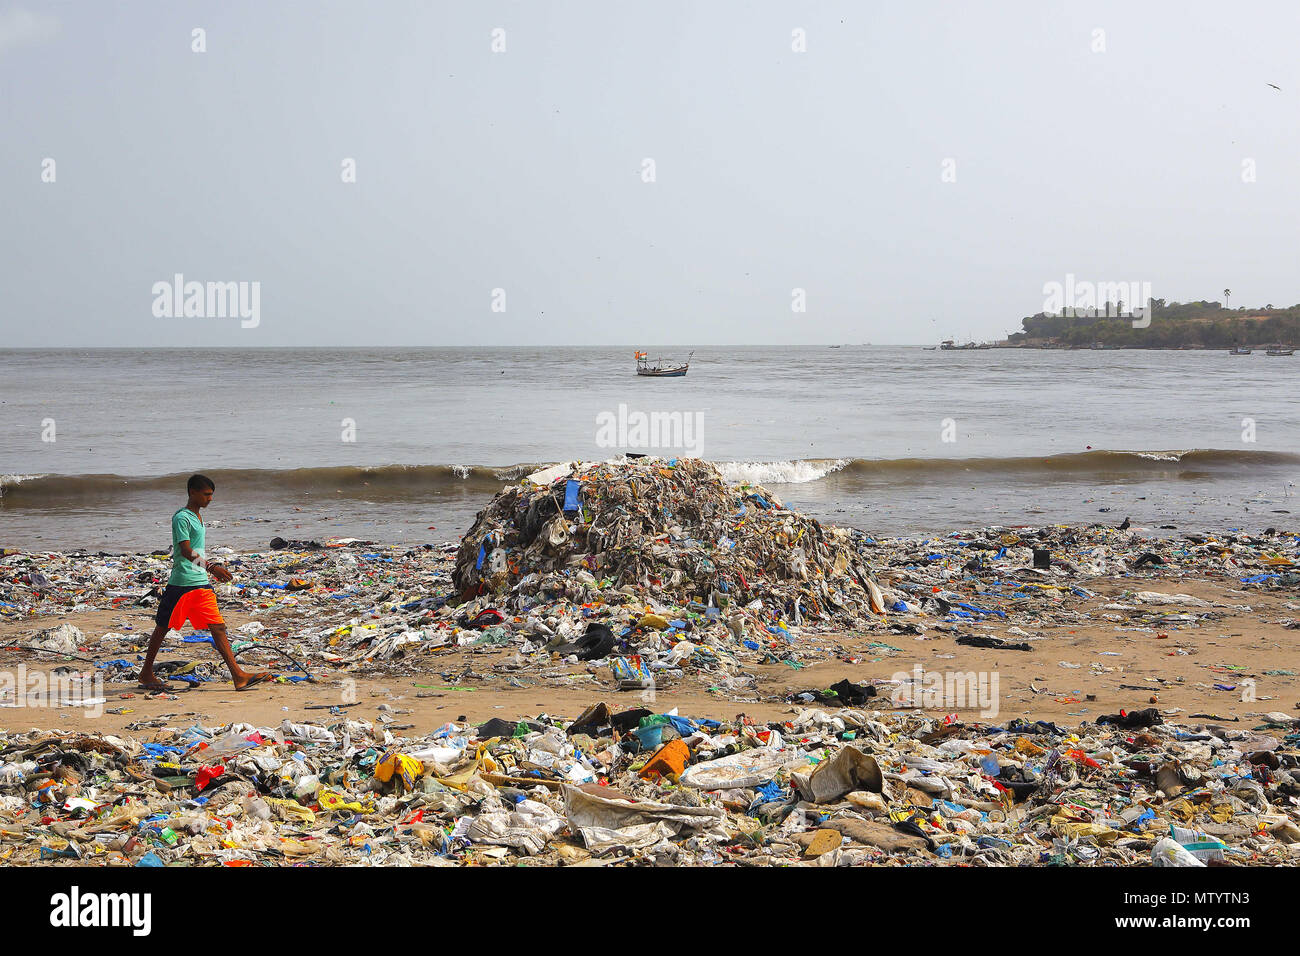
column 1279, row 349
column 1238, row 350
column 658, row 369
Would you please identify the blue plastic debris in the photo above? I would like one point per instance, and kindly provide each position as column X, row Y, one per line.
column 572, row 491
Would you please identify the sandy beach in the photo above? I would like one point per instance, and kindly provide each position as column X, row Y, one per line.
column 1179, row 665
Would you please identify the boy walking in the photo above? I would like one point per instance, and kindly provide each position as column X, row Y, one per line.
column 189, row 595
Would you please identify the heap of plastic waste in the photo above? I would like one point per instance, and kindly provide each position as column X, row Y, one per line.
column 672, row 531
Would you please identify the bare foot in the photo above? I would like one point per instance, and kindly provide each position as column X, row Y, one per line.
column 245, row 681
column 150, row 682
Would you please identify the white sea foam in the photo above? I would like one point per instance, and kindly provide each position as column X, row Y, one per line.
column 1160, row 455
column 795, row 472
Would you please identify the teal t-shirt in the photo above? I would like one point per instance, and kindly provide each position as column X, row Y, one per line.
column 186, row 526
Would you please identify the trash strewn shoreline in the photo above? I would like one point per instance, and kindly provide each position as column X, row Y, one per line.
column 628, row 586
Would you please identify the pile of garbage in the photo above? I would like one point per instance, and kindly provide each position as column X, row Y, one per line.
column 823, row 788
column 672, row 531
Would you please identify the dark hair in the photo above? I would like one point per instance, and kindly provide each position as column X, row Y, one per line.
column 200, row 483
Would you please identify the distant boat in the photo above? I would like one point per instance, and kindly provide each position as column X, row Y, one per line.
column 1279, row 349
column 658, row 369
column 1238, row 350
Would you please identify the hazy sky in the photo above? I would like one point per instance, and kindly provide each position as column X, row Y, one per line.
column 522, row 170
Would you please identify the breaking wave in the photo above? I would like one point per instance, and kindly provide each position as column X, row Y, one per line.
column 1200, row 462
column 383, row 482
column 9, row 481
column 415, row 482
column 796, row 472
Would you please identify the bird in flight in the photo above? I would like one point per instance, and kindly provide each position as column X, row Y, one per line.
column 1276, row 87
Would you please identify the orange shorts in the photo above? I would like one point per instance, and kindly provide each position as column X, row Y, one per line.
column 199, row 607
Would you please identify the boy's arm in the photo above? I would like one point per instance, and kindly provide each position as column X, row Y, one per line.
column 217, row 571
